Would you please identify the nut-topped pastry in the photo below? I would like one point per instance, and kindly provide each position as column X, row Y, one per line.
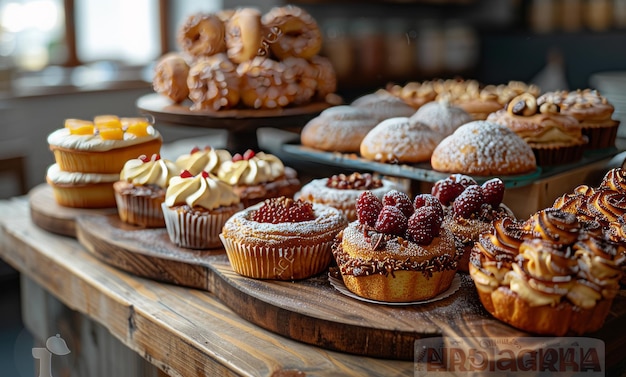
column 341, row 191
column 141, row 190
column 397, row 250
column 560, row 280
column 213, row 83
column 470, row 209
column 592, row 110
column 196, row 208
column 554, row 137
column 258, row 176
column 282, row 238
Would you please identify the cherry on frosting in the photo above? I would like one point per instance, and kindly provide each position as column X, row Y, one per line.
column 144, row 158
column 186, row 174
column 237, row 157
column 154, row 157
column 194, row 150
column 205, row 174
column 248, row 154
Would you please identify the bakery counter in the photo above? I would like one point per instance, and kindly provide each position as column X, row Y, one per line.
column 125, row 325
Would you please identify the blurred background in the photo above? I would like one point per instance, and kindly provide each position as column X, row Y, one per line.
column 79, row 58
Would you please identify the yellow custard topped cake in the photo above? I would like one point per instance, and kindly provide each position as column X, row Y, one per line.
column 104, row 144
column 195, row 209
column 141, row 190
column 258, row 176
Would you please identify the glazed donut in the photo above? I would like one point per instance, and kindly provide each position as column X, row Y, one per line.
column 264, row 83
column 304, row 79
column 170, row 77
column 243, row 35
column 299, row 35
column 213, row 83
column 202, row 34
column 326, row 76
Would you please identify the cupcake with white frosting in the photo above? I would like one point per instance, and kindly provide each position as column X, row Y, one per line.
column 196, row 208
column 258, row 176
column 141, row 190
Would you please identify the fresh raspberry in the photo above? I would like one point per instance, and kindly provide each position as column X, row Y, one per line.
column 400, row 200
column 493, row 190
column 427, row 200
column 464, row 180
column 469, row 202
column 368, row 206
column 446, row 190
column 391, row 220
column 248, row 154
column 283, row 210
column 424, row 225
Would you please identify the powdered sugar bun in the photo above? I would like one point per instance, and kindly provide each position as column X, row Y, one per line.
column 384, row 105
column 396, row 140
column 441, row 116
column 338, row 129
column 483, row 148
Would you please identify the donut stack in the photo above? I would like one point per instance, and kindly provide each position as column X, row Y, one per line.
column 242, row 58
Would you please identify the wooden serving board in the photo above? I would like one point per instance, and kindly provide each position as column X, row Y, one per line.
column 310, row 310
column 48, row 215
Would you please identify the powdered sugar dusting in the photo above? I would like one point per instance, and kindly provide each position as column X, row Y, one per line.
column 483, row 148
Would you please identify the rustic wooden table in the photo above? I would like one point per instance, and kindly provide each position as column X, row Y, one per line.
column 119, row 324
column 179, row 331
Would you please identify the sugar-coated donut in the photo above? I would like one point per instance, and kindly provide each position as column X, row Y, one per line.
column 304, row 79
column 244, row 34
column 170, row 77
column 213, row 83
column 264, row 83
column 298, row 32
column 202, row 34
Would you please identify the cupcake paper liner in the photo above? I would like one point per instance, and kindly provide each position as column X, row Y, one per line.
column 140, row 210
column 194, row 231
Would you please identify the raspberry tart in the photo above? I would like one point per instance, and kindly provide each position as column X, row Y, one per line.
column 470, row 209
column 341, row 191
column 196, row 208
column 282, row 239
column 397, row 250
column 141, row 190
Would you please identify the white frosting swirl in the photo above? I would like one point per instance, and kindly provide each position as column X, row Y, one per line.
column 60, row 177
column 152, row 172
column 62, row 138
column 258, row 169
column 200, row 191
column 208, row 160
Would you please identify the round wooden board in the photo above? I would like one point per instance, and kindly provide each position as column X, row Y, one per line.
column 310, row 310
column 50, row 216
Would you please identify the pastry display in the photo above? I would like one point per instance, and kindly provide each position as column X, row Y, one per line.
column 546, row 275
column 593, row 111
column 416, row 94
column 196, row 208
column 342, row 190
column 81, row 190
column 397, row 250
column 206, row 159
column 441, row 116
column 243, row 59
column 338, row 129
column 398, row 141
column 104, row 144
column 282, row 239
column 258, row 176
column 383, row 105
column 554, row 137
column 483, row 148
column 470, row 209
column 141, row 190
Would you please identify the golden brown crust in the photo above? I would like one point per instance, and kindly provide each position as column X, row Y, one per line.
column 93, row 195
column 170, row 77
column 298, row 32
column 243, row 35
column 213, row 83
column 202, row 35
column 265, row 83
